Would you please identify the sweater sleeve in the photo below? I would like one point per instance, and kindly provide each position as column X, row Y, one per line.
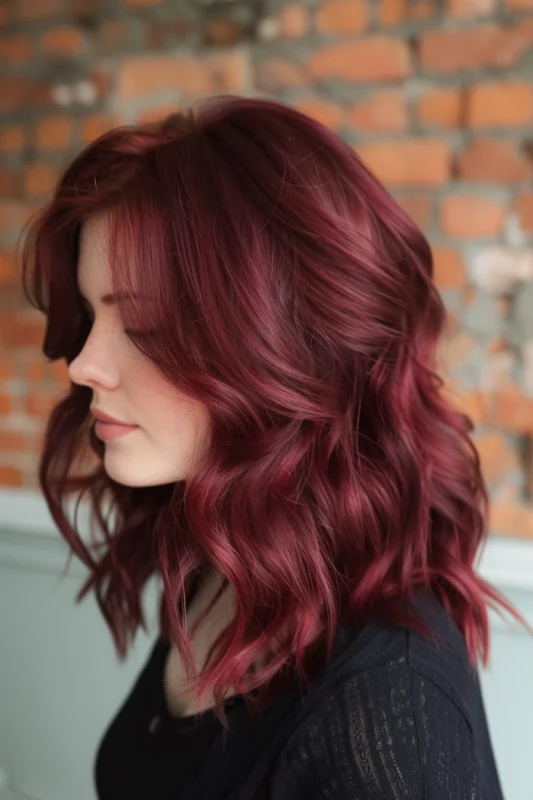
column 385, row 734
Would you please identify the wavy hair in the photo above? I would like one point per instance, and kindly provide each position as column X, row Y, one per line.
column 296, row 301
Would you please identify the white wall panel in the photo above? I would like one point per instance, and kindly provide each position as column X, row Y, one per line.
column 61, row 682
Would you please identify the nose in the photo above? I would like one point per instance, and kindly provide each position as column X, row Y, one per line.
column 95, row 363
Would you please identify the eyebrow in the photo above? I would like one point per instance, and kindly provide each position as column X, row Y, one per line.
column 117, row 297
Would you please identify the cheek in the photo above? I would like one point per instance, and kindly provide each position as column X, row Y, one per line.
column 167, row 410
column 150, row 390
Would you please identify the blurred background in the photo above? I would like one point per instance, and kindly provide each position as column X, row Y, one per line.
column 437, row 98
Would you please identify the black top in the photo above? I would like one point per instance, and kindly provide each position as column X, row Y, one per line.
column 394, row 717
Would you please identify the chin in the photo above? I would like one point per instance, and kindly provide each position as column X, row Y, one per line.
column 135, row 477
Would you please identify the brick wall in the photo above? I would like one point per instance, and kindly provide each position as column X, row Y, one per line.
column 437, row 97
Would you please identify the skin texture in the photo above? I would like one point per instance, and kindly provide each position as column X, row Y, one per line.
column 174, row 676
column 173, row 428
column 172, row 432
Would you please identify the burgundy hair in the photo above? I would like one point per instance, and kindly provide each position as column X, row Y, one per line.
column 296, row 301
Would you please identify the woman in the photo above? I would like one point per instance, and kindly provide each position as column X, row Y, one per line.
column 258, row 315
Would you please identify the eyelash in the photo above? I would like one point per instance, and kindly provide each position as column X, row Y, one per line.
column 128, row 331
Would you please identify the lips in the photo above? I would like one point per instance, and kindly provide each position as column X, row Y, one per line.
column 111, row 430
column 108, row 427
column 103, row 417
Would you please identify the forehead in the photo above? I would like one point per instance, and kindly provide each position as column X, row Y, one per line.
column 94, row 237
column 93, row 272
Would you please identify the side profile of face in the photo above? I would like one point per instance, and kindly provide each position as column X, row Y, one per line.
column 172, row 429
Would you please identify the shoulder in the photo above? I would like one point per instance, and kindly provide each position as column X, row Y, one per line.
column 398, row 719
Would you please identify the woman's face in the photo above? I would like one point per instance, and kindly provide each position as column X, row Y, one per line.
column 172, row 430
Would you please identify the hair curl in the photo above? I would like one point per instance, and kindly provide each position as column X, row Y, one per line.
column 296, row 301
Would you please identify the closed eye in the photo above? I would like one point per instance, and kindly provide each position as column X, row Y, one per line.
column 133, row 334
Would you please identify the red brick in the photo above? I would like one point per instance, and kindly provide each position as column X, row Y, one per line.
column 8, row 267
column 374, row 58
column 17, row 330
column 472, row 402
column 40, row 179
column 12, row 138
column 471, row 216
column 41, row 403
column 13, row 91
column 46, row 372
column 494, row 160
column 16, row 49
column 16, row 442
column 328, row 114
column 66, row 40
column 36, row 371
column 53, row 132
column 5, row 404
column 500, row 104
column 382, row 111
column 342, row 16
column 31, row 10
column 515, row 520
column 442, row 108
column 394, row 12
column 408, row 162
column 18, row 92
column 423, row 9
column 524, row 208
column 59, row 370
column 217, row 31
column 418, row 206
column 449, row 270
column 511, row 409
column 8, row 182
column 276, row 74
column 477, row 47
column 10, row 476
column 141, row 76
column 391, row 12
column 94, row 126
column 498, row 457
column 521, row 35
column 463, row 9
column 293, row 21
column 6, row 368
column 10, row 440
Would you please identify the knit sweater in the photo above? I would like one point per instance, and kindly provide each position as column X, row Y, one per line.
column 394, row 716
